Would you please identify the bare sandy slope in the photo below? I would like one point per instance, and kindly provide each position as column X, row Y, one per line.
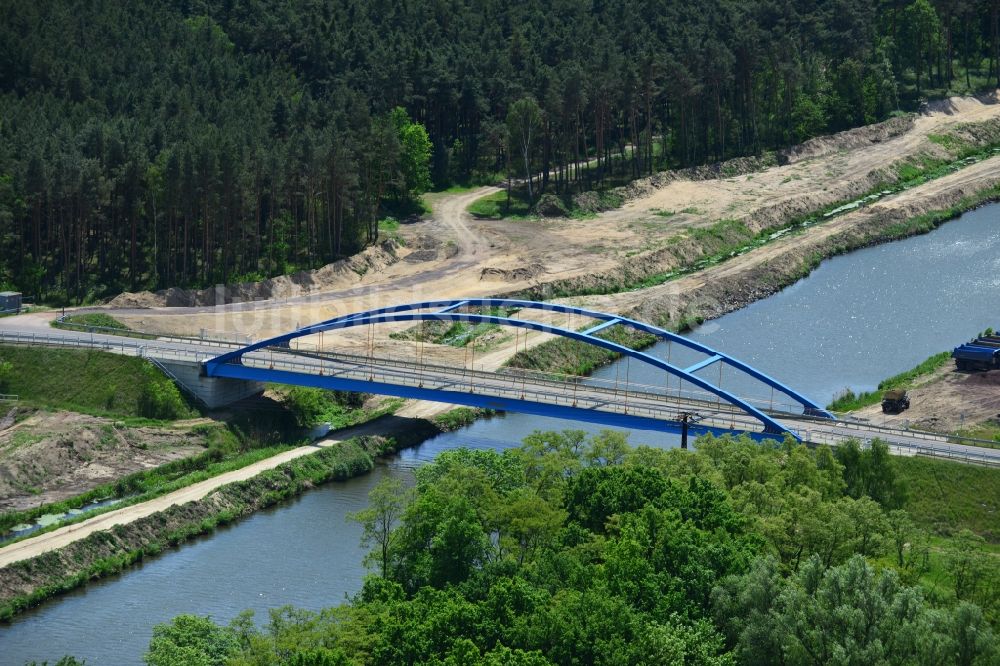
column 451, row 255
column 51, row 456
column 825, row 170
column 946, row 401
column 672, row 297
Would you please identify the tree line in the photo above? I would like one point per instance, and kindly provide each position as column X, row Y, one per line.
column 199, row 141
column 571, row 550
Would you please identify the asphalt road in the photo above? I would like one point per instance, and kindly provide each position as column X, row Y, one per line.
column 589, row 394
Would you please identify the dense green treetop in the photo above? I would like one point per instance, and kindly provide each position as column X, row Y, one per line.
column 571, row 550
column 188, row 142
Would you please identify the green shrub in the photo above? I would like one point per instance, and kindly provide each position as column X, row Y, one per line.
column 306, row 404
column 159, row 398
column 96, row 319
column 5, row 370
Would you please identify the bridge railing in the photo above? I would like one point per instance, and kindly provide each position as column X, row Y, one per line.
column 963, row 453
column 621, row 390
column 125, row 346
column 862, row 425
column 237, row 340
column 816, row 430
column 640, row 403
column 500, row 386
column 672, row 389
column 771, row 404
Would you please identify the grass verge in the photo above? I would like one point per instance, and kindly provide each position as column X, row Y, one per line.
column 571, row 357
column 98, row 322
column 987, row 431
column 89, row 382
column 946, row 497
column 496, row 206
column 89, row 319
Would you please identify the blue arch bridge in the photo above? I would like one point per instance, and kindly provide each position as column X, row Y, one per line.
column 683, row 401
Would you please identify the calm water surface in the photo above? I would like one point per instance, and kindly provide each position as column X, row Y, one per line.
column 856, row 320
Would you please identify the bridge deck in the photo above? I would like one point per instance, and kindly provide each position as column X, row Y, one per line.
column 642, row 402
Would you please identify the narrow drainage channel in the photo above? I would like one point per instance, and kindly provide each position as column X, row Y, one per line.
column 49, row 519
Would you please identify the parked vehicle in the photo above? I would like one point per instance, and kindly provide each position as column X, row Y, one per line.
column 895, row 401
column 982, row 353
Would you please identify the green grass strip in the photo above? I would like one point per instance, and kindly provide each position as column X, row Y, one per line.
column 849, row 401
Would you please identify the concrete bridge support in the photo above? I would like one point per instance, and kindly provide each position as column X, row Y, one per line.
column 213, row 392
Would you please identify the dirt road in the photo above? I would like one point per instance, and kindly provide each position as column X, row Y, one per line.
column 451, row 255
column 58, row 538
column 945, row 401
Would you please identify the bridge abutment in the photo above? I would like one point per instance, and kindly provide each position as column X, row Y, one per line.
column 213, row 392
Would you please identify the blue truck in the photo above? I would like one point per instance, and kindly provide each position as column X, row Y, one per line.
column 982, row 353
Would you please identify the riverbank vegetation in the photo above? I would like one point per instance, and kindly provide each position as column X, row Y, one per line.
column 266, row 145
column 341, row 409
column 29, row 582
column 564, row 356
column 848, row 400
column 569, row 550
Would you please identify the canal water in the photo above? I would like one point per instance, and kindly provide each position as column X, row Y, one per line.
column 856, row 320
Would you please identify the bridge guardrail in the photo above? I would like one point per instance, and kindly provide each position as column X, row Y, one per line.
column 624, row 392
column 868, row 426
column 146, row 348
column 959, row 452
column 511, row 390
column 769, row 406
column 547, row 378
column 564, row 397
column 132, row 333
column 137, row 348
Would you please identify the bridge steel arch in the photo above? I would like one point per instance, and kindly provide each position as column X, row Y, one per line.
column 447, row 310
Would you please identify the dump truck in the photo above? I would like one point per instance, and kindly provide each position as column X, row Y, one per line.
column 894, row 401
column 982, row 353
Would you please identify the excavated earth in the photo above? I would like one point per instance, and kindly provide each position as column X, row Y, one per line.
column 50, row 456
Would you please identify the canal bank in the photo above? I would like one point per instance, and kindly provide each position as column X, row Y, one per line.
column 48, row 565
column 306, row 553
